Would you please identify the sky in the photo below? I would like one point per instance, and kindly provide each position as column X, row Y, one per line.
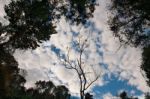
column 119, row 67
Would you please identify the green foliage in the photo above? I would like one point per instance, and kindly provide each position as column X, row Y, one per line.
column 131, row 21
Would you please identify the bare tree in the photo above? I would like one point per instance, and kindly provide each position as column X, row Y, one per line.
column 78, row 64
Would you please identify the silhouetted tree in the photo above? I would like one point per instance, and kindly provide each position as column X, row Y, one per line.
column 130, row 21
column 88, row 96
column 47, row 90
column 123, row 95
column 29, row 23
column 78, row 65
column 146, row 63
column 131, row 24
column 10, row 79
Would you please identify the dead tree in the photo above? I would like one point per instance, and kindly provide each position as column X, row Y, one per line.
column 79, row 66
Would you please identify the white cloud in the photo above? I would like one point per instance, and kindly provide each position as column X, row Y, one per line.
column 141, row 97
column 103, row 48
column 109, row 96
column 2, row 12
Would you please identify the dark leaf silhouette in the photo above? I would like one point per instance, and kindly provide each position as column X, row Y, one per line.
column 146, row 63
column 31, row 22
column 131, row 21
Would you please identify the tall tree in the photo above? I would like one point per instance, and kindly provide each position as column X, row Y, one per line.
column 79, row 66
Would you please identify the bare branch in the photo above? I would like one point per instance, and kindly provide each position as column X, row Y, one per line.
column 79, row 66
column 91, row 82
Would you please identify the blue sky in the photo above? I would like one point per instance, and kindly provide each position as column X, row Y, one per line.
column 115, row 86
column 119, row 67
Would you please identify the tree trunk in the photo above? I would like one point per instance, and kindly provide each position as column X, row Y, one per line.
column 82, row 94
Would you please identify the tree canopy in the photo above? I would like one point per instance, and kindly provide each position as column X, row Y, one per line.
column 131, row 21
column 42, row 90
column 131, row 24
column 47, row 90
column 29, row 23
